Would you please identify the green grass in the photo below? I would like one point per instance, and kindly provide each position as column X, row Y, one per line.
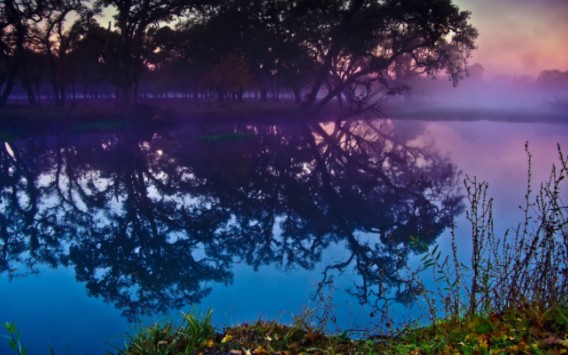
column 531, row 330
column 193, row 335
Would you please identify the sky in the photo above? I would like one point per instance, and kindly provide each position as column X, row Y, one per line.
column 519, row 37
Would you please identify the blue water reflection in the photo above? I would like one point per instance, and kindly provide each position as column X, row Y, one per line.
column 245, row 219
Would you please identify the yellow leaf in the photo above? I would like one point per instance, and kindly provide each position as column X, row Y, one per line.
column 227, row 338
column 260, row 351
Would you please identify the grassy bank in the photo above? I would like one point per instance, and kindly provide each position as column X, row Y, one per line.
column 530, row 330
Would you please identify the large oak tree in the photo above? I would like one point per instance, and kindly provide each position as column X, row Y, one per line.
column 357, row 43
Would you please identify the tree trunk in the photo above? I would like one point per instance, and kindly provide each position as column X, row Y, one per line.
column 26, row 83
column 220, row 95
column 10, row 79
column 62, row 94
column 263, row 95
column 297, row 94
column 123, row 96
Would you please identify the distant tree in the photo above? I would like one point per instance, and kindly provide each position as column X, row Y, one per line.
column 54, row 42
column 133, row 19
column 223, row 35
column 553, row 79
column 92, row 55
column 16, row 17
column 196, row 48
column 232, row 75
column 6, row 60
column 168, row 66
column 476, row 71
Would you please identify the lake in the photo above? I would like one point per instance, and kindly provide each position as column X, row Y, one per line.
column 104, row 230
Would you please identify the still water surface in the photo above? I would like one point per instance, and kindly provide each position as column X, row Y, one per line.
column 102, row 231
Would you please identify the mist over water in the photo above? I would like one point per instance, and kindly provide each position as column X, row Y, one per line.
column 499, row 94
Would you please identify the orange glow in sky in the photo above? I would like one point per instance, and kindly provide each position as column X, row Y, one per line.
column 519, row 37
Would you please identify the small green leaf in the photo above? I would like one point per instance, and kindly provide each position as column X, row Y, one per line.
column 11, row 327
column 13, row 345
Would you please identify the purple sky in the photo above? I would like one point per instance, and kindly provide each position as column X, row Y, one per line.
column 520, row 37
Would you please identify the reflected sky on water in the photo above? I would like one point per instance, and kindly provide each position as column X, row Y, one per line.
column 103, row 230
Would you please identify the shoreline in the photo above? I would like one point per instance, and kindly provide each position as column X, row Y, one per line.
column 533, row 328
column 23, row 120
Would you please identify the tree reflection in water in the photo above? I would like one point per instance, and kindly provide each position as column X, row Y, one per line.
column 149, row 219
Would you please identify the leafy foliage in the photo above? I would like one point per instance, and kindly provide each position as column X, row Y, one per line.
column 14, row 339
column 525, row 266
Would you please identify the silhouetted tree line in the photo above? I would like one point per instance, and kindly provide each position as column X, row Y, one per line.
column 148, row 227
column 315, row 51
column 553, row 79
